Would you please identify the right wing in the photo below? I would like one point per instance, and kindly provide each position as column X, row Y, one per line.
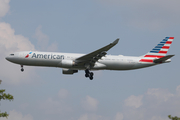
column 91, row 58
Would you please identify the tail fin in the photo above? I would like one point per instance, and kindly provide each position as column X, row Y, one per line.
column 161, row 49
column 158, row 51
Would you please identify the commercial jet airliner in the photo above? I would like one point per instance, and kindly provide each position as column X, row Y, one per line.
column 97, row 60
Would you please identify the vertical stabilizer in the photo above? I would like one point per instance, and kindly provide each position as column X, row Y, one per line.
column 158, row 51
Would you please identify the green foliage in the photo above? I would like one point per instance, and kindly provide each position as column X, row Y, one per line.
column 4, row 96
column 3, row 114
column 173, row 118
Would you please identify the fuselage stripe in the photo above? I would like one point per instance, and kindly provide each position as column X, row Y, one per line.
column 154, row 56
column 146, row 60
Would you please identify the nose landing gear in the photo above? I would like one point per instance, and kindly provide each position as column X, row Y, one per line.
column 89, row 74
column 22, row 69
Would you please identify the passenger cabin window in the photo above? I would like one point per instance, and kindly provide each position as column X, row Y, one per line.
column 12, row 54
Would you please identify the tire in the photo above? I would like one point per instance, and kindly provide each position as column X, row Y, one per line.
column 91, row 78
column 86, row 75
column 91, row 74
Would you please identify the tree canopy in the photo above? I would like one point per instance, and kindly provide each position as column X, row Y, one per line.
column 173, row 118
column 4, row 96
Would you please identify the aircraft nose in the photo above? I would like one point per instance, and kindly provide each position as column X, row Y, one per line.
column 8, row 58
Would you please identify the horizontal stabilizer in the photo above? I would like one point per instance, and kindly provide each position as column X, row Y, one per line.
column 162, row 59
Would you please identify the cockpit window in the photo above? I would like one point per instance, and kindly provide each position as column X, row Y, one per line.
column 12, row 54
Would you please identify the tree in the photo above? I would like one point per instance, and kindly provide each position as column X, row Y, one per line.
column 4, row 96
column 173, row 118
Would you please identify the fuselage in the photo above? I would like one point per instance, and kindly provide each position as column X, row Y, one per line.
column 68, row 60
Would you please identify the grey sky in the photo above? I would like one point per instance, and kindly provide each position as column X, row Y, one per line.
column 81, row 27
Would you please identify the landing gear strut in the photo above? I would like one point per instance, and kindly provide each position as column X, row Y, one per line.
column 22, row 69
column 89, row 74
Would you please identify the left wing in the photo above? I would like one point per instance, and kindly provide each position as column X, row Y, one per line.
column 91, row 58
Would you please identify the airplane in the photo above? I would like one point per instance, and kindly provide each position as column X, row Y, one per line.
column 97, row 60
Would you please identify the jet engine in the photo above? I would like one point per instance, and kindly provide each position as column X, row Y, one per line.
column 69, row 71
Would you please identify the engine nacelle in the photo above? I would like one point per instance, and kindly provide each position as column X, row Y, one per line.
column 69, row 71
column 67, row 63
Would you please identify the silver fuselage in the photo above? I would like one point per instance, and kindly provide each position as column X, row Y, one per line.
column 67, row 60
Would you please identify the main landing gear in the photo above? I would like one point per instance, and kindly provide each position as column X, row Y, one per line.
column 89, row 74
column 22, row 69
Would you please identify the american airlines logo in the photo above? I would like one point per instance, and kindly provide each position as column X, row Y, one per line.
column 47, row 56
column 27, row 55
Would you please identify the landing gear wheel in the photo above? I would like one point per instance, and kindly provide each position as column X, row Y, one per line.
column 91, row 77
column 22, row 69
column 91, row 74
column 86, row 75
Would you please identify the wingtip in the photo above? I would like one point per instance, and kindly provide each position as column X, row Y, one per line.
column 116, row 41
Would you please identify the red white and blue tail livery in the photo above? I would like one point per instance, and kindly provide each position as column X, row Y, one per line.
column 158, row 51
column 161, row 49
column 96, row 60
